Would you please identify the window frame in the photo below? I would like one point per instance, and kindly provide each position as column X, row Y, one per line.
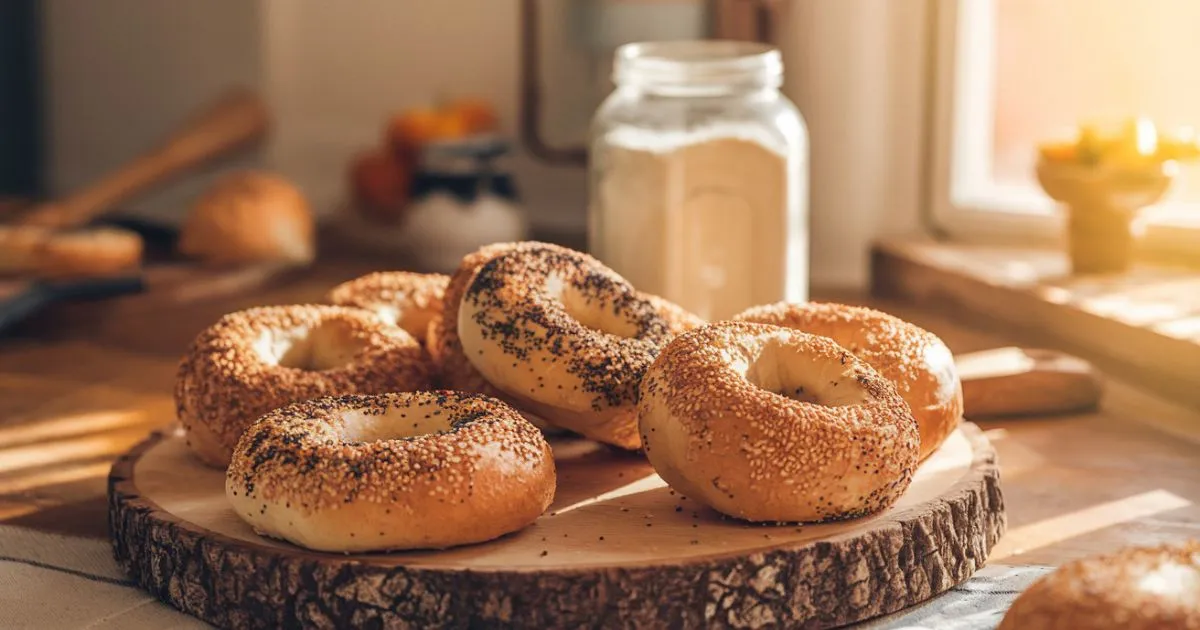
column 962, row 202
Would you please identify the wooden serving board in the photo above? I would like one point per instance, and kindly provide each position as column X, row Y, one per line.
column 617, row 549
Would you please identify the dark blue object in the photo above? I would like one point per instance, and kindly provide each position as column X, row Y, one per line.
column 464, row 187
column 465, row 184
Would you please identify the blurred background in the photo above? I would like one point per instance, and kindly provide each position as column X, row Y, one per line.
column 1018, row 176
column 924, row 116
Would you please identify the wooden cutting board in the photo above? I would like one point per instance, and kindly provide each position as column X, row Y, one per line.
column 617, row 548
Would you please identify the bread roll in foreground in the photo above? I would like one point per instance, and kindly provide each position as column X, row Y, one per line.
column 1139, row 588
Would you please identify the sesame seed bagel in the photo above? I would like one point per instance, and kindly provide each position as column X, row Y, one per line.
column 914, row 359
column 766, row 423
column 1138, row 588
column 565, row 336
column 408, row 300
column 256, row 360
column 416, row 470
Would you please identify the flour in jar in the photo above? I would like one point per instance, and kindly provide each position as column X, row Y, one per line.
column 706, row 221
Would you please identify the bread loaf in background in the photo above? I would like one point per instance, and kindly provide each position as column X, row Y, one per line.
column 249, row 217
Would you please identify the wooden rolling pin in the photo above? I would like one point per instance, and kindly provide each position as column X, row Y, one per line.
column 1026, row 382
column 236, row 119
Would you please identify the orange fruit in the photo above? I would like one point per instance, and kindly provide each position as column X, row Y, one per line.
column 413, row 127
column 380, row 182
column 475, row 115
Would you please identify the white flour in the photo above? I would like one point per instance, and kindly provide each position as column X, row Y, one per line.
column 699, row 219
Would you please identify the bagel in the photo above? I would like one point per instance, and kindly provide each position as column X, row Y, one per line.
column 408, row 300
column 256, row 360
column 765, row 423
column 445, row 346
column 396, row 471
column 443, row 341
column 92, row 252
column 1138, row 588
column 914, row 359
column 457, row 371
column 678, row 319
column 563, row 335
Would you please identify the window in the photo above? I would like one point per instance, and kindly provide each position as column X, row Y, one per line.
column 1013, row 73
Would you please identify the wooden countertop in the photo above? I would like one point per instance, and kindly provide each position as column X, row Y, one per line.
column 1074, row 486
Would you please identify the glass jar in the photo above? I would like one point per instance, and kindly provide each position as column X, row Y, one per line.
column 699, row 177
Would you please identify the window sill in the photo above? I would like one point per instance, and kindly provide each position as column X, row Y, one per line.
column 1143, row 326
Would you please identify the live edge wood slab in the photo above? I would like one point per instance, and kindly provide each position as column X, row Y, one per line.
column 617, row 549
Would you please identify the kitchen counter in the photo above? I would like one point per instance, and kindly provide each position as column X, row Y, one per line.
column 1074, row 485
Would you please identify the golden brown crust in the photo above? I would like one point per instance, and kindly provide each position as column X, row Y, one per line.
column 250, row 217
column 679, row 320
column 78, row 253
column 457, row 371
column 232, row 374
column 19, row 247
column 394, row 471
column 454, row 369
column 94, row 252
column 445, row 346
column 408, row 300
column 916, row 360
column 556, row 328
column 433, row 340
column 767, row 423
column 1138, row 588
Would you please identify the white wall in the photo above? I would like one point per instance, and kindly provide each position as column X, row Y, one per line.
column 336, row 70
column 855, row 68
column 121, row 74
column 332, row 71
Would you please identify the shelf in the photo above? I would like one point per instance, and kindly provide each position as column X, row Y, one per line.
column 1143, row 325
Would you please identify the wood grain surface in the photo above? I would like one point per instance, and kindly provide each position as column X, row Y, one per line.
column 1074, row 485
column 1143, row 326
column 1026, row 381
column 618, row 548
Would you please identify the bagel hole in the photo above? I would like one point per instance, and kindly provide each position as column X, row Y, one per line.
column 797, row 393
column 595, row 314
column 397, row 423
column 326, row 346
column 785, row 370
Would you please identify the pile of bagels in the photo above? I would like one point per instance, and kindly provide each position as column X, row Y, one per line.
column 412, row 410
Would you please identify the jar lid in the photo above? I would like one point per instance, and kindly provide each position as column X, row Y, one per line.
column 698, row 64
column 476, row 154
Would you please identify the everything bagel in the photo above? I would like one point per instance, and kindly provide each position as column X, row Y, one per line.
column 564, row 335
column 395, row 471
